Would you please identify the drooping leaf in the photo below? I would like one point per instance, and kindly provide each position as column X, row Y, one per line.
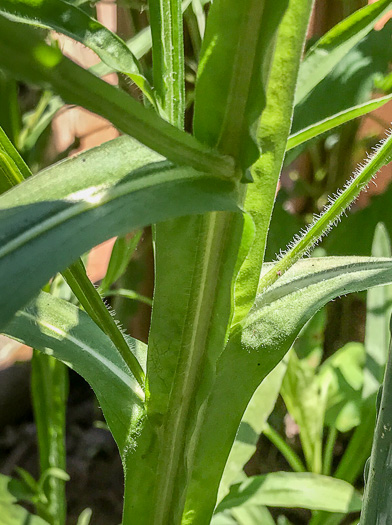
column 265, row 337
column 104, row 192
column 62, row 330
column 335, row 44
column 289, row 489
column 72, row 21
column 26, row 56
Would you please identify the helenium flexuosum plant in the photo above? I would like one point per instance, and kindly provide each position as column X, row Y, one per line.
column 222, row 318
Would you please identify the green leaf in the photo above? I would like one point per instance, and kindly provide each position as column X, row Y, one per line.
column 107, row 191
column 265, row 337
column 85, row 517
column 378, row 314
column 343, row 374
column 353, row 78
column 306, row 402
column 12, row 514
column 272, row 134
column 65, row 18
column 293, row 490
column 335, row 44
column 249, row 515
column 333, row 121
column 168, row 58
column 62, row 330
column 25, row 55
column 233, row 70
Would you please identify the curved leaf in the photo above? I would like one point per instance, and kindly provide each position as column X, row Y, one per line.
column 293, row 490
column 261, row 343
column 107, row 191
column 62, row 330
column 74, row 22
column 26, row 56
column 316, row 129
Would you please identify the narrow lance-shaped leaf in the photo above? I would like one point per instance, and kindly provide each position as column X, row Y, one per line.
column 39, row 217
column 252, row 424
column 332, row 47
column 62, row 330
column 261, row 343
column 233, row 70
column 377, row 503
column 75, row 23
column 333, row 121
column 76, row 277
column 378, row 313
column 332, row 213
column 25, row 55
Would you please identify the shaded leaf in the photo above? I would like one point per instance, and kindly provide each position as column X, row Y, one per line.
column 62, row 330
column 66, row 18
column 107, row 191
column 10, row 513
column 343, row 373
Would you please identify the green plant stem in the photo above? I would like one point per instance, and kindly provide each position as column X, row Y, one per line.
column 91, row 301
column 331, row 214
column 328, row 451
column 377, row 504
column 49, row 389
column 168, row 58
column 287, row 452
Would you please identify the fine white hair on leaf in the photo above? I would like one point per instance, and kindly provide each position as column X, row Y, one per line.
column 331, row 200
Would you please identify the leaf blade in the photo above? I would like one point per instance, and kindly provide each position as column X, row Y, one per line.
column 75, row 194
column 59, row 328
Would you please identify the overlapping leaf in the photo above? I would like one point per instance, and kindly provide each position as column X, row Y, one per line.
column 76, row 23
column 52, row 218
